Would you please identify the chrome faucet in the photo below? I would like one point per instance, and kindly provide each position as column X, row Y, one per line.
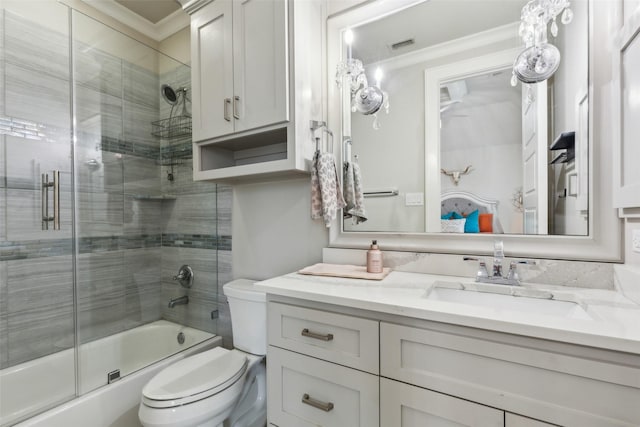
column 178, row 301
column 496, row 277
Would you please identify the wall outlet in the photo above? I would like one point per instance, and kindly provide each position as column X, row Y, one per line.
column 635, row 240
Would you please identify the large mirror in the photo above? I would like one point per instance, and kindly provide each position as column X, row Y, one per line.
column 454, row 136
column 446, row 69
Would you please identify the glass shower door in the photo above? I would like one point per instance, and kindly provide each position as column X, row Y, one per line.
column 37, row 330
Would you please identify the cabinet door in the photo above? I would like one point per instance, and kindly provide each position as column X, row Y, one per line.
column 513, row 420
column 403, row 405
column 306, row 392
column 212, row 70
column 260, row 62
column 627, row 149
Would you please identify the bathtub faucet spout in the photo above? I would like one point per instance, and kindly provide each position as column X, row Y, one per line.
column 178, row 301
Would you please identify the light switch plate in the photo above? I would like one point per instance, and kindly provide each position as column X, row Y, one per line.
column 414, row 199
column 635, row 240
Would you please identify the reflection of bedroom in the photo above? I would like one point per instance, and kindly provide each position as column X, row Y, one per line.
column 481, row 126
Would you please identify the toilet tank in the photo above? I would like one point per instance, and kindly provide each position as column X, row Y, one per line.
column 248, row 308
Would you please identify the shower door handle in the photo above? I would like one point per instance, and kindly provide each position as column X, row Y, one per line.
column 56, row 200
column 227, row 102
column 55, row 185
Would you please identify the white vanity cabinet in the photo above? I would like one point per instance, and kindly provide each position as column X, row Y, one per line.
column 322, row 368
column 256, row 78
column 337, row 366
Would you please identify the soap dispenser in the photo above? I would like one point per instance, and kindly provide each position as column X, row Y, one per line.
column 374, row 258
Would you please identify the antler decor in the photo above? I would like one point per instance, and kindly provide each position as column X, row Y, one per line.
column 456, row 175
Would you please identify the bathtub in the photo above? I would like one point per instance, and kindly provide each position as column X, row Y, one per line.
column 138, row 354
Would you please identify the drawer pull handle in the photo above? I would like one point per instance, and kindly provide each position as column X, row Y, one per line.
column 236, row 101
column 307, row 400
column 227, row 102
column 307, row 333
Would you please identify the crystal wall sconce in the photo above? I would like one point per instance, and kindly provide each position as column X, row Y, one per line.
column 365, row 99
column 540, row 59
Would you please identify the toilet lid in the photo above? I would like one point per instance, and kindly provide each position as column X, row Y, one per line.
column 194, row 378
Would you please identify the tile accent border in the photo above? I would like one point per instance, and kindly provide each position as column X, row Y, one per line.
column 196, row 241
column 30, row 249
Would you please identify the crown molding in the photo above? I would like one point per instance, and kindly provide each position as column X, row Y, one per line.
column 191, row 6
column 158, row 31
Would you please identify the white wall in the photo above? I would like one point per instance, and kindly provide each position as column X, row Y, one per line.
column 178, row 46
column 272, row 230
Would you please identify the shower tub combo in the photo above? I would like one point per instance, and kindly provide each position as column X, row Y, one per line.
column 115, row 368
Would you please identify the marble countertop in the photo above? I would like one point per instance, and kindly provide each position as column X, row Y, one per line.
column 613, row 321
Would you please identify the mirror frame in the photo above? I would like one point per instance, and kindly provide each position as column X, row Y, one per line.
column 604, row 241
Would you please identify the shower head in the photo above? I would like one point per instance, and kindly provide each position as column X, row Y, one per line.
column 168, row 94
column 172, row 97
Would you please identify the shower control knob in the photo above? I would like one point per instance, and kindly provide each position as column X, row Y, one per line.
column 185, row 276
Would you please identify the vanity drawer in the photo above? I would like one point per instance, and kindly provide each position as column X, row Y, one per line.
column 347, row 340
column 513, row 374
column 304, row 391
column 404, row 405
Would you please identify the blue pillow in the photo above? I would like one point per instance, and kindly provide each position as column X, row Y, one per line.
column 472, row 224
column 446, row 216
column 456, row 215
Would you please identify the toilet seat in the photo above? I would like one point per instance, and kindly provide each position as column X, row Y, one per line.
column 195, row 378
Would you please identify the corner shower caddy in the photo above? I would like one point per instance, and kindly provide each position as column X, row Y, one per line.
column 178, row 125
column 173, row 127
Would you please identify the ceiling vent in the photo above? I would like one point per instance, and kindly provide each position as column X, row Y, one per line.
column 403, row 43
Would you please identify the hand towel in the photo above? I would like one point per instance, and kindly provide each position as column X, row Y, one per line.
column 353, row 194
column 326, row 195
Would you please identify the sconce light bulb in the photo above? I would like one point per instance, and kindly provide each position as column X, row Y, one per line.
column 348, row 37
column 378, row 76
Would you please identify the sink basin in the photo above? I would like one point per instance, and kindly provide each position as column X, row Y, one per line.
column 502, row 302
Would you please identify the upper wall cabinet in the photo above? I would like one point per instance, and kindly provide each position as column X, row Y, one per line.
column 257, row 83
column 627, row 81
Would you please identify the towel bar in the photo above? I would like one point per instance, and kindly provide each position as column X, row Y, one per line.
column 381, row 193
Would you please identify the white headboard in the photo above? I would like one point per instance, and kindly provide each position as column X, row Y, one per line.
column 463, row 202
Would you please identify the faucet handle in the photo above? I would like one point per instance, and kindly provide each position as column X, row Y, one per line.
column 498, row 249
column 482, row 266
column 513, row 268
column 185, row 276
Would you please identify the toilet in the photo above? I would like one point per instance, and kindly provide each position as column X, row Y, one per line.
column 217, row 385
